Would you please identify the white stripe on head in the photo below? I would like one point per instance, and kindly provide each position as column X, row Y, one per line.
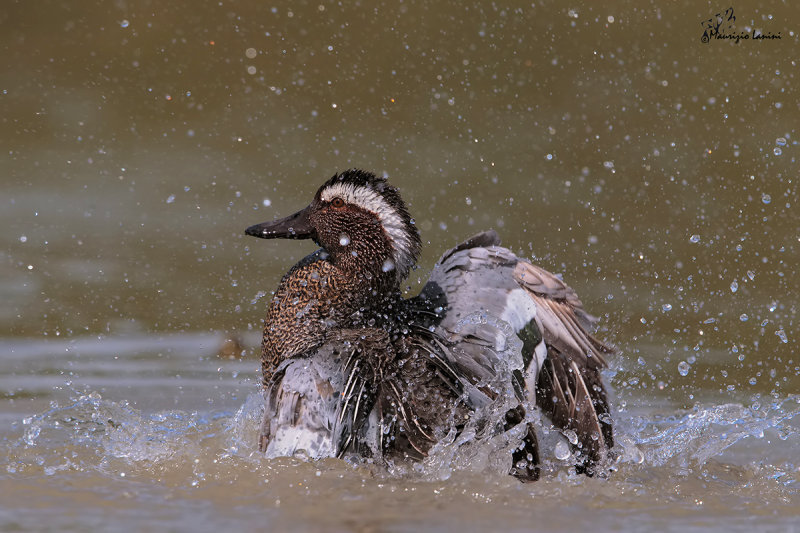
column 370, row 200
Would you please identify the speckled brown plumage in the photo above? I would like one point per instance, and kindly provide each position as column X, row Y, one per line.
column 310, row 296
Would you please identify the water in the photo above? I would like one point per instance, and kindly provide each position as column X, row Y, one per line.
column 195, row 464
column 609, row 144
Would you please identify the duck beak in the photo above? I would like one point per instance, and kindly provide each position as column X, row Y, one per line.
column 297, row 226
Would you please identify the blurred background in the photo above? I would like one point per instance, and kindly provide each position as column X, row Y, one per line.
column 656, row 172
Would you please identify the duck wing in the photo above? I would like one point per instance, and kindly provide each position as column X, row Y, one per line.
column 475, row 284
column 561, row 359
column 565, row 321
column 483, row 312
column 569, row 388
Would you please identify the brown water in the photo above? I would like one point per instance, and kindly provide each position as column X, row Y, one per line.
column 656, row 172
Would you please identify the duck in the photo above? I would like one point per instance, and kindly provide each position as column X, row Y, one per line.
column 351, row 366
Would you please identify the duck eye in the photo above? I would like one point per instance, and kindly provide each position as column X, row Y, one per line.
column 337, row 203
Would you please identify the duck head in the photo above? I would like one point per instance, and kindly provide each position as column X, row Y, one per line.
column 359, row 220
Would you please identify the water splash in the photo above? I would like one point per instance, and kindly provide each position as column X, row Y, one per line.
column 481, row 446
column 113, row 439
column 91, row 431
column 703, row 433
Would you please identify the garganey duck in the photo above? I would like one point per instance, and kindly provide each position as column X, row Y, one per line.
column 350, row 366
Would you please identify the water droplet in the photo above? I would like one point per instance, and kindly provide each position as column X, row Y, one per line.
column 683, row 368
column 734, row 286
column 468, row 200
column 561, row 451
column 388, row 265
column 23, row 238
column 780, row 141
column 743, row 317
column 125, row 23
column 267, row 202
column 751, row 275
column 635, row 455
column 258, row 296
column 694, row 238
column 766, row 198
column 666, row 307
column 782, row 336
column 344, row 239
column 571, row 436
column 170, row 198
column 302, row 455
column 777, row 151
